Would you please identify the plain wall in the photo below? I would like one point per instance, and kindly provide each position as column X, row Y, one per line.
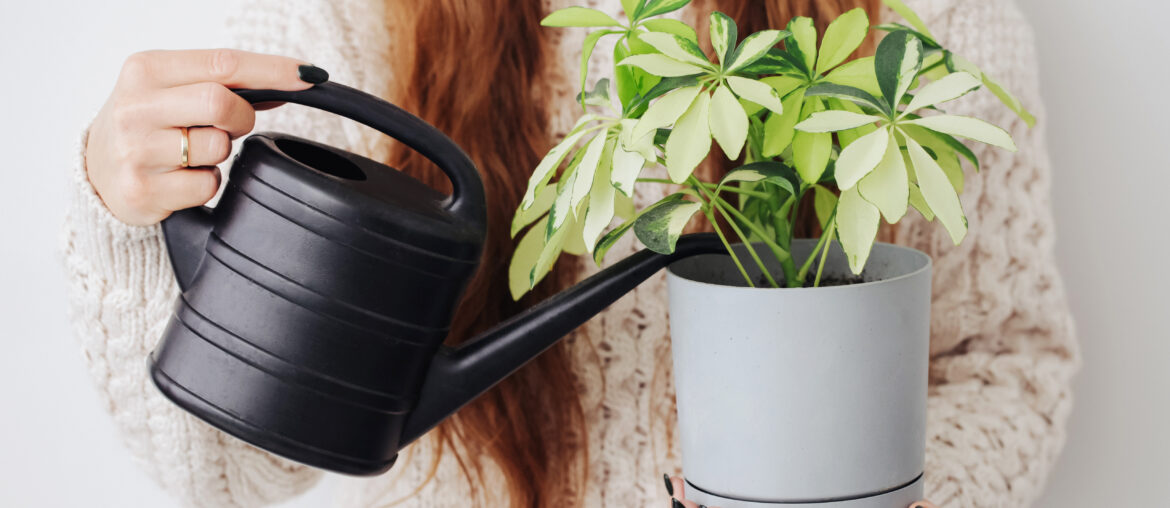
column 1104, row 75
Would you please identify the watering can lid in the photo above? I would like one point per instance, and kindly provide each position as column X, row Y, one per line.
column 360, row 196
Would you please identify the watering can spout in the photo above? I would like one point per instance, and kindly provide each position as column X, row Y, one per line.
column 459, row 375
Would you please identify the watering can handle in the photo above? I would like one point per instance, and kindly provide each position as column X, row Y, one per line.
column 467, row 194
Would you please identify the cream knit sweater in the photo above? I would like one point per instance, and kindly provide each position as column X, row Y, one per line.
column 1002, row 341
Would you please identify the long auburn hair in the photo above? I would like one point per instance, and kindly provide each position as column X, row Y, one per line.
column 479, row 70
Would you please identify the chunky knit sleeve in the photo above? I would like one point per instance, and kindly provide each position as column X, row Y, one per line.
column 1002, row 343
column 121, row 288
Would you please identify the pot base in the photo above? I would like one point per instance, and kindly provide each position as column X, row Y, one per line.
column 898, row 498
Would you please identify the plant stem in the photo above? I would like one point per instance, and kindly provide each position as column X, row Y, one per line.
column 825, row 253
column 736, row 190
column 813, row 255
column 726, row 245
column 751, row 250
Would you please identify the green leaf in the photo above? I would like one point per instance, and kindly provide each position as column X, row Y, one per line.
column 811, row 150
column 779, row 129
column 858, row 74
column 1009, row 100
column 753, row 47
column 599, row 96
column 887, row 186
column 583, row 182
column 843, row 36
column 524, row 259
column 728, row 122
column 950, row 87
column 661, row 65
column 579, row 16
column 967, row 127
column 586, row 52
column 909, row 16
column 548, row 254
column 775, row 61
column 937, row 191
column 804, row 35
column 676, row 47
column 848, row 93
column 656, row 7
column 544, row 200
column 601, row 199
column 898, row 59
column 857, row 225
column 860, row 158
column 766, row 171
column 660, row 225
column 723, row 36
column 631, row 7
column 835, row 120
column 824, row 202
column 666, row 110
column 690, row 140
column 784, row 85
column 544, row 171
column 672, row 26
column 757, row 92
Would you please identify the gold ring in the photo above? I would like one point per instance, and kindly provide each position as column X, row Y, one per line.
column 185, row 147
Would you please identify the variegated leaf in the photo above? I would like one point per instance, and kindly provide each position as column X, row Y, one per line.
column 690, row 140
column 728, row 122
column 661, row 65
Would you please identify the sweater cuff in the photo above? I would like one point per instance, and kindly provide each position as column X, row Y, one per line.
column 133, row 257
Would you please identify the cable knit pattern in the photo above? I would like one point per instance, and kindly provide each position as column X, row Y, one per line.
column 1002, row 341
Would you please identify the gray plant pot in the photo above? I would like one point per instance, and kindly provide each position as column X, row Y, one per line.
column 802, row 396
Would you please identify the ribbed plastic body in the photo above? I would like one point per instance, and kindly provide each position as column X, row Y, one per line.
column 309, row 322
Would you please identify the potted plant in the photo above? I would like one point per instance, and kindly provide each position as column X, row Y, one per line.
column 807, row 358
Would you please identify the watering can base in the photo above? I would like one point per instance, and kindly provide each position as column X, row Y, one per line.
column 258, row 437
column 899, row 497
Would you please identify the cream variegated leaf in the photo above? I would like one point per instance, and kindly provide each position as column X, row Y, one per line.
column 887, row 186
column 757, row 92
column 950, row 87
column 690, row 140
column 676, row 47
column 754, row 47
column 835, row 120
column 600, row 211
column 937, row 191
column 665, row 111
column 857, row 225
column 728, row 122
column 967, row 127
column 583, row 182
column 860, row 158
column 544, row 170
column 661, row 65
column 723, row 35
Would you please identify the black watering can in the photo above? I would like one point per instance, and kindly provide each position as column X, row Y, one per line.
column 317, row 294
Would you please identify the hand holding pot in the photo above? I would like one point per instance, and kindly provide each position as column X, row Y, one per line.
column 676, row 488
column 153, row 147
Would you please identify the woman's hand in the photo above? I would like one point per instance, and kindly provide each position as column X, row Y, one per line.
column 676, row 490
column 133, row 155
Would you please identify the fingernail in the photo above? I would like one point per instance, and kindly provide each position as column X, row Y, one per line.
column 312, row 74
column 675, row 503
column 669, row 486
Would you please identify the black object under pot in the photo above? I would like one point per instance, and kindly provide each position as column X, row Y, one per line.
column 317, row 294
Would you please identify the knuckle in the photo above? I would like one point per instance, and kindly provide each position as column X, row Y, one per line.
column 219, row 145
column 135, row 192
column 217, row 100
column 136, row 67
column 222, row 64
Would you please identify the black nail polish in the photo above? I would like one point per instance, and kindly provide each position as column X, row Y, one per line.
column 675, row 503
column 669, row 486
column 312, row 74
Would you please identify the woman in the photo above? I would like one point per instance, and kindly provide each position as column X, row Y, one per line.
column 589, row 423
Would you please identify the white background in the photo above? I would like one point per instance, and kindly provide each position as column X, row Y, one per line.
column 1104, row 75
